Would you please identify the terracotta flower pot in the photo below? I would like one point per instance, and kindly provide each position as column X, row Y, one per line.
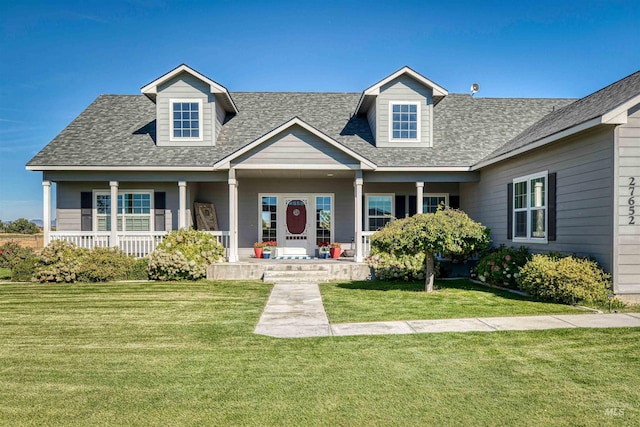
column 335, row 252
column 258, row 252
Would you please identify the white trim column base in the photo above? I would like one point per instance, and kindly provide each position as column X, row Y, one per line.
column 419, row 197
column 233, row 216
column 182, row 207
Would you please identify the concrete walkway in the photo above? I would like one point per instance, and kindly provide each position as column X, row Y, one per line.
column 296, row 311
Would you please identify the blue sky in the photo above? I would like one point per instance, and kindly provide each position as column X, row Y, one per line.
column 56, row 57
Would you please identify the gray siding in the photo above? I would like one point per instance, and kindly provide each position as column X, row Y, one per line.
column 220, row 116
column 404, row 88
column 217, row 194
column 295, row 146
column 68, row 201
column 584, row 167
column 184, row 86
column 627, row 239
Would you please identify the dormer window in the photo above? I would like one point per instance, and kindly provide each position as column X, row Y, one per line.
column 405, row 121
column 186, row 123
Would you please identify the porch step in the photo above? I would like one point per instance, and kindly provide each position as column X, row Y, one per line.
column 288, row 273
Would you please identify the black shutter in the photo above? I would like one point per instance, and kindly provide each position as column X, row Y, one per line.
column 413, row 205
column 510, row 211
column 551, row 208
column 86, row 211
column 454, row 202
column 159, row 206
column 400, row 206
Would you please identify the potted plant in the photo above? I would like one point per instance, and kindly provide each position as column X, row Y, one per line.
column 336, row 249
column 268, row 248
column 258, row 248
column 323, row 249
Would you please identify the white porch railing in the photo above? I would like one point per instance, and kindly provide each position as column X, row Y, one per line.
column 138, row 243
column 366, row 243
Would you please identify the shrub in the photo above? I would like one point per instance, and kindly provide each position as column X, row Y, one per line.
column 138, row 269
column 24, row 269
column 447, row 231
column 104, row 265
column 60, row 261
column 184, row 254
column 397, row 267
column 501, row 266
column 567, row 280
column 12, row 252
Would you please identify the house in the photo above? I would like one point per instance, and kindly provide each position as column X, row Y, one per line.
column 302, row 168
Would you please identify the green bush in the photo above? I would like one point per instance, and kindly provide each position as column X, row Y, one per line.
column 60, row 261
column 104, row 265
column 12, row 252
column 184, row 254
column 397, row 267
column 501, row 266
column 567, row 280
column 24, row 269
column 138, row 269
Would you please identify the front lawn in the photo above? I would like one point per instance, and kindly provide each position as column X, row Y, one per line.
column 184, row 354
column 377, row 300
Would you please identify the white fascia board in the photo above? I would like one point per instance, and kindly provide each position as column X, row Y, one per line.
column 288, row 166
column 425, row 169
column 618, row 116
column 295, row 121
column 121, row 168
column 152, row 88
column 437, row 89
column 541, row 142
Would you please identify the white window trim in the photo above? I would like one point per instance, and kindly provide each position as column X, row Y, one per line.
column 260, row 196
column 418, row 121
column 528, row 178
column 94, row 210
column 366, row 206
column 333, row 217
column 425, row 195
column 200, row 119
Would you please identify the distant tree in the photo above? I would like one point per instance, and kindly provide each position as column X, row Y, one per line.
column 2, row 226
column 447, row 231
column 22, row 226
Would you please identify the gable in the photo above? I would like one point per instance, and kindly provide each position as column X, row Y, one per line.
column 295, row 148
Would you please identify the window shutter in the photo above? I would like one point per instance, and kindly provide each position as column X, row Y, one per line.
column 551, row 208
column 454, row 202
column 86, row 211
column 413, row 205
column 510, row 211
column 159, row 207
column 400, row 209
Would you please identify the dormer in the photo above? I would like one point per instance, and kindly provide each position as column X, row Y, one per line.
column 399, row 109
column 190, row 108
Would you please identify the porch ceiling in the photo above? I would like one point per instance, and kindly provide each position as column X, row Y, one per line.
column 295, row 173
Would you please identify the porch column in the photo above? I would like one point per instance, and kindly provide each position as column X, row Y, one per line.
column 182, row 208
column 46, row 210
column 419, row 196
column 233, row 216
column 114, row 212
column 358, row 220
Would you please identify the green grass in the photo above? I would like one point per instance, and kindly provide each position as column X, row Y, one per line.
column 184, row 354
column 379, row 300
column 5, row 273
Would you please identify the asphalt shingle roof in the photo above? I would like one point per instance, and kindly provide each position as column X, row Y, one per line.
column 119, row 130
column 583, row 110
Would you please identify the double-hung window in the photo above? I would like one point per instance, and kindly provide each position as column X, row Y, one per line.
column 134, row 211
column 379, row 210
column 431, row 202
column 530, row 201
column 405, row 121
column 186, row 119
